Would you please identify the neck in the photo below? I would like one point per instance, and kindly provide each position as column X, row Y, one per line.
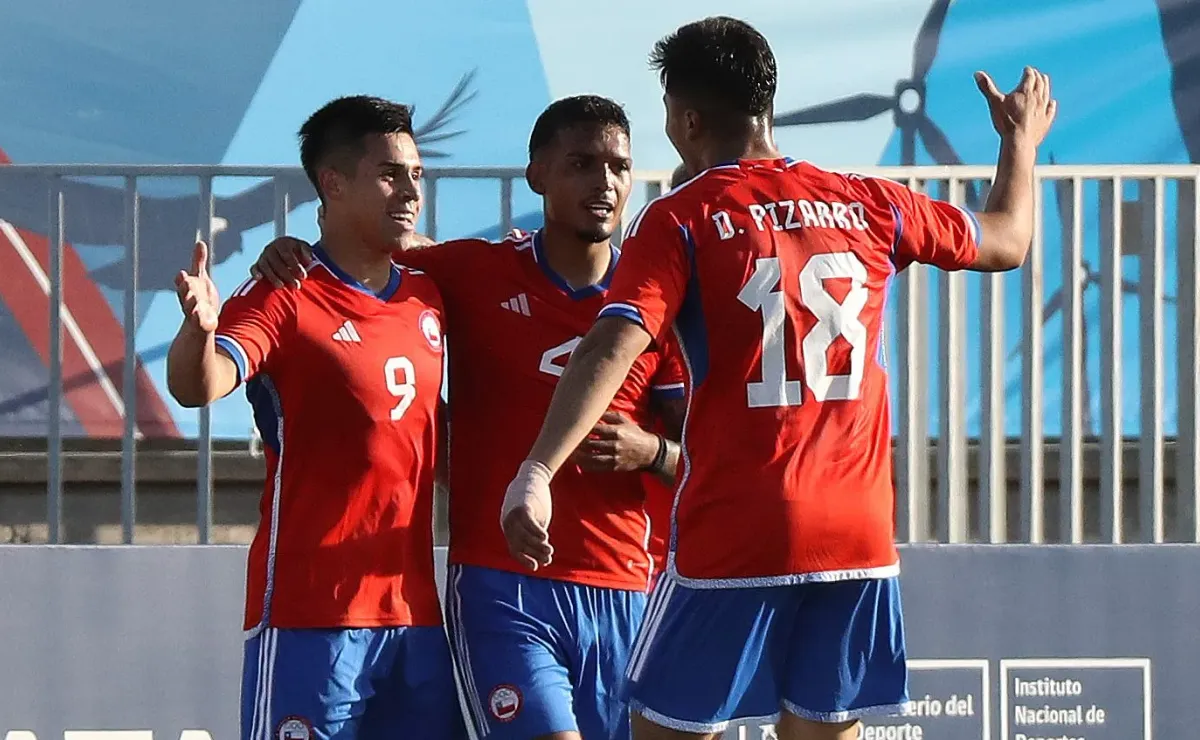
column 756, row 141
column 369, row 266
column 579, row 261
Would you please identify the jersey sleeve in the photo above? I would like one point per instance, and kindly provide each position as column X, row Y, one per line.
column 667, row 383
column 928, row 231
column 253, row 322
column 434, row 260
column 650, row 281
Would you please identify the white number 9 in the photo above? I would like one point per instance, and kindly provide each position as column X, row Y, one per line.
column 401, row 378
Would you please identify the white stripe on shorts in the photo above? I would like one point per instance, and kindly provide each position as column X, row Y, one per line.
column 650, row 624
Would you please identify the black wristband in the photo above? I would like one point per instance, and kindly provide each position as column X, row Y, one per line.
column 660, row 457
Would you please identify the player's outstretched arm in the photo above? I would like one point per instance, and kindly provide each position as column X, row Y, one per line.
column 1022, row 118
column 197, row 372
column 592, row 377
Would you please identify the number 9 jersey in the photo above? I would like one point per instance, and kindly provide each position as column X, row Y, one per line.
column 345, row 385
column 773, row 276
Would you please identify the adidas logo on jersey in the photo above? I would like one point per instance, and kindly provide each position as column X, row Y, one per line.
column 518, row 303
column 346, row 333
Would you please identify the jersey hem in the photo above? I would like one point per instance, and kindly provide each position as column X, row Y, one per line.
column 577, row 577
column 878, row 710
column 347, row 623
column 683, row 725
column 823, row 576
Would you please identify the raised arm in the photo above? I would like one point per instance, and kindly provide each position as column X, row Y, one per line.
column 1022, row 118
column 198, row 372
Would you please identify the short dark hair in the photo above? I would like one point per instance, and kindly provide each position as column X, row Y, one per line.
column 679, row 176
column 719, row 63
column 333, row 136
column 577, row 110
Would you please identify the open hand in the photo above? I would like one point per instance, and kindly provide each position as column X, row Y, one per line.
column 1025, row 114
column 197, row 294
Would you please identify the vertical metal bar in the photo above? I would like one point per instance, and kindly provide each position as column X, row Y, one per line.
column 1070, row 491
column 1150, row 458
column 912, row 476
column 1187, row 287
column 1032, row 439
column 1112, row 516
column 129, row 381
column 204, row 473
column 54, row 482
column 283, row 205
column 952, row 479
column 506, row 206
column 993, row 483
column 431, row 188
column 912, row 457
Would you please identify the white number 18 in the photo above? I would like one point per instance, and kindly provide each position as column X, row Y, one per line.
column 833, row 320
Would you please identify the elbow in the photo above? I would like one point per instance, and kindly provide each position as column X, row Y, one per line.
column 1014, row 256
column 1004, row 255
column 185, row 394
column 185, row 397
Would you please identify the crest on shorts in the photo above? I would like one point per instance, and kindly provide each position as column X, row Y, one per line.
column 294, row 728
column 505, row 702
column 431, row 329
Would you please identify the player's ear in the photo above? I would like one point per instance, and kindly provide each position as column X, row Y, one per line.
column 693, row 124
column 535, row 173
column 332, row 182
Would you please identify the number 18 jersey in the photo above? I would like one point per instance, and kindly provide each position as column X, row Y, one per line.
column 773, row 277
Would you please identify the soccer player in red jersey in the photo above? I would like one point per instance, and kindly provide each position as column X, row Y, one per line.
column 542, row 654
column 781, row 595
column 345, row 633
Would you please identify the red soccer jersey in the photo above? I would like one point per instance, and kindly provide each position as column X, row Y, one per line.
column 345, row 386
column 511, row 325
column 773, row 276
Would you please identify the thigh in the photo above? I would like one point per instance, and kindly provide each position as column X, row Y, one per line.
column 508, row 647
column 415, row 694
column 608, row 621
column 707, row 657
column 846, row 657
column 305, row 684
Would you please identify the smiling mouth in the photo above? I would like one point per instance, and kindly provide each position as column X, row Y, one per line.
column 600, row 209
column 402, row 217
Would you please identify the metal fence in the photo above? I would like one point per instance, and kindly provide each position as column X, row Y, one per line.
column 966, row 470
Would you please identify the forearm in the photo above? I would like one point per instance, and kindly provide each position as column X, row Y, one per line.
column 597, row 368
column 1006, row 223
column 197, row 374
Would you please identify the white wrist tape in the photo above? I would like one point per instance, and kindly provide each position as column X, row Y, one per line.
column 530, row 487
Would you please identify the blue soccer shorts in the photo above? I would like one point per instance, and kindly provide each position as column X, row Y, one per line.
column 350, row 684
column 826, row 652
column 537, row 656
